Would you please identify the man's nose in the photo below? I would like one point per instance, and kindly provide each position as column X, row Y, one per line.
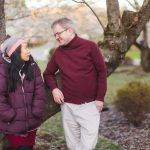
column 56, row 37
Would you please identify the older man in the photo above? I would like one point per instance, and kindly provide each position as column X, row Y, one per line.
column 83, row 76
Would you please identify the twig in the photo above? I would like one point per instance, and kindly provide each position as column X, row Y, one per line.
column 84, row 2
column 137, row 4
column 28, row 15
column 132, row 4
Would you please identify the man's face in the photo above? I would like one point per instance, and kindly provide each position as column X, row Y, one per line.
column 62, row 35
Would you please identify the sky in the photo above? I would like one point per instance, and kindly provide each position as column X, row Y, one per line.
column 59, row 3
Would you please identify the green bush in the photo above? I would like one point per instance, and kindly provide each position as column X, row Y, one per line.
column 134, row 101
column 51, row 51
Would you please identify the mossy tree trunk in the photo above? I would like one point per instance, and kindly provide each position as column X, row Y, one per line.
column 122, row 32
column 119, row 35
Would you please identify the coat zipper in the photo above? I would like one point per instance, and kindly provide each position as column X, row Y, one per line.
column 26, row 112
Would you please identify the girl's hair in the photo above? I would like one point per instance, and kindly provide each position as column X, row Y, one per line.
column 15, row 66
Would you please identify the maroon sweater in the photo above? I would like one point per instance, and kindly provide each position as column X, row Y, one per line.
column 82, row 71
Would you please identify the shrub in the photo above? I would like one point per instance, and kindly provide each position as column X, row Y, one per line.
column 51, row 51
column 134, row 101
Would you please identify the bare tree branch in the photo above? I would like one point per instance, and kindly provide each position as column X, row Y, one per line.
column 28, row 15
column 113, row 14
column 137, row 4
column 132, row 5
column 84, row 2
column 139, row 46
column 18, row 18
column 78, row 1
column 145, row 3
column 139, row 20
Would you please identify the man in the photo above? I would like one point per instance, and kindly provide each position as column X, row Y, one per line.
column 83, row 77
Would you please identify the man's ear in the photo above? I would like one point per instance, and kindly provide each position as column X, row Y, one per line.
column 70, row 30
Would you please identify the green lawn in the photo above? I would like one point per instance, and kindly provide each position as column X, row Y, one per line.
column 42, row 65
column 122, row 76
column 105, row 144
column 119, row 78
column 133, row 54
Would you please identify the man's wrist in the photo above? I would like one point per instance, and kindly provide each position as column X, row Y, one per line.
column 54, row 89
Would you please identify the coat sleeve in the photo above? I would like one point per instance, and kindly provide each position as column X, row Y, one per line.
column 38, row 104
column 7, row 113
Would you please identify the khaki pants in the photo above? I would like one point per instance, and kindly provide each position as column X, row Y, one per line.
column 81, row 125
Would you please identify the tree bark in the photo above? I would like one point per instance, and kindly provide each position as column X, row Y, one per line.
column 2, row 22
column 121, row 33
column 114, row 45
column 145, row 51
column 145, row 55
column 143, row 45
column 138, row 21
column 2, row 37
column 145, row 59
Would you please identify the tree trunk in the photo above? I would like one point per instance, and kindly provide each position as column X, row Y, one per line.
column 145, row 51
column 2, row 22
column 115, row 42
column 121, row 33
column 2, row 37
column 143, row 45
column 137, row 23
column 145, row 55
column 145, row 59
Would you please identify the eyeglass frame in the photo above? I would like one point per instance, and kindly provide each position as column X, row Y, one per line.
column 59, row 33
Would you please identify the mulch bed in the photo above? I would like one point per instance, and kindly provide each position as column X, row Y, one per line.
column 115, row 127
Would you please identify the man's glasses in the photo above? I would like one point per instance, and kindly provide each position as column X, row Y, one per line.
column 59, row 33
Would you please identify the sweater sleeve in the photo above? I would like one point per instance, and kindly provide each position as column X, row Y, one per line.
column 101, row 72
column 38, row 103
column 7, row 113
column 49, row 73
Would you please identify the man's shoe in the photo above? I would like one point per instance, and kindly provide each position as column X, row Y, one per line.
column 105, row 108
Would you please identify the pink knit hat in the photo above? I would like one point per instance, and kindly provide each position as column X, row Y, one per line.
column 10, row 45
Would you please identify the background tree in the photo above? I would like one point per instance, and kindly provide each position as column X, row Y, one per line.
column 119, row 34
column 2, row 22
column 142, row 45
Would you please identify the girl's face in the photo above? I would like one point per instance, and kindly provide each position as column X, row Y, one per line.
column 25, row 53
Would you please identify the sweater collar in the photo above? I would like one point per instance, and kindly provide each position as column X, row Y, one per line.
column 72, row 44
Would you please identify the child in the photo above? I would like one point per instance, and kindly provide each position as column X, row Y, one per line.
column 22, row 94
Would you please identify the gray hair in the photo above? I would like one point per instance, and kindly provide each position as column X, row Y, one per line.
column 65, row 23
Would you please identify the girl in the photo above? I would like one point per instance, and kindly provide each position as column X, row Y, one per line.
column 21, row 94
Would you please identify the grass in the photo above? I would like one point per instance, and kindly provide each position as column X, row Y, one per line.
column 122, row 76
column 42, row 65
column 133, row 54
column 105, row 144
column 53, row 125
column 119, row 78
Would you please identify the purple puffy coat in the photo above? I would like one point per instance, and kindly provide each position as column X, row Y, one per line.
column 21, row 111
